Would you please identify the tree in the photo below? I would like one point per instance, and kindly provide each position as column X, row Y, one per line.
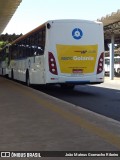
column 2, row 44
column 7, row 38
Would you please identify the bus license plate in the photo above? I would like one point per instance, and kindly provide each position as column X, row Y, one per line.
column 77, row 71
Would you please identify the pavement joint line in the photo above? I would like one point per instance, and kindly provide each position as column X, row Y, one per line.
column 102, row 133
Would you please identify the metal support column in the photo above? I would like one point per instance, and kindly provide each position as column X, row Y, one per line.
column 112, row 57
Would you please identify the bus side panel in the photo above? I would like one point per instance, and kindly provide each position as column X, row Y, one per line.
column 36, row 70
column 33, row 65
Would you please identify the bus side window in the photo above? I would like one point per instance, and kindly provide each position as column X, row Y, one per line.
column 41, row 41
column 27, row 50
column 40, row 50
column 32, row 51
column 13, row 52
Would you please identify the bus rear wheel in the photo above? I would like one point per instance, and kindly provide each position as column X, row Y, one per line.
column 12, row 75
column 27, row 79
column 2, row 71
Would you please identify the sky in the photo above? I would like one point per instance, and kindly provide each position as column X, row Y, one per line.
column 32, row 13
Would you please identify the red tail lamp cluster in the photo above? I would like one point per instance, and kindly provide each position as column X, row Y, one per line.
column 100, row 63
column 52, row 64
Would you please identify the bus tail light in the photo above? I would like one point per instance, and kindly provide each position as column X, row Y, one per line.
column 52, row 64
column 100, row 63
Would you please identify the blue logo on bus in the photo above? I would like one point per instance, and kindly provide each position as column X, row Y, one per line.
column 77, row 33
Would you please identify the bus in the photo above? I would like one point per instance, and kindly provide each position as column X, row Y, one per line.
column 4, row 61
column 116, row 65
column 64, row 52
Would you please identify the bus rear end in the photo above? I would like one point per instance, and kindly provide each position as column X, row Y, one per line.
column 75, row 51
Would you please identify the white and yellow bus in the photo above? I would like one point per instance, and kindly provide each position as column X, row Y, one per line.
column 65, row 52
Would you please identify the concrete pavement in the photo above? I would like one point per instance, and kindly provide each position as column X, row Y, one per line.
column 32, row 120
column 113, row 84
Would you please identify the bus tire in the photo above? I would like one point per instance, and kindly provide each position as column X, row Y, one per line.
column 27, row 79
column 12, row 75
column 2, row 71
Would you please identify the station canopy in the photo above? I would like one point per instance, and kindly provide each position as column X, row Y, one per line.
column 7, row 9
column 111, row 24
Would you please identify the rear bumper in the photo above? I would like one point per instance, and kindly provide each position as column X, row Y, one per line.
column 77, row 80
